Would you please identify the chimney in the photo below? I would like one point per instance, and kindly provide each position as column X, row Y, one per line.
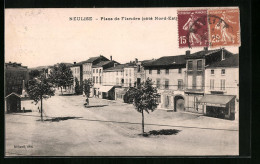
column 74, row 62
column 136, row 60
column 205, row 48
column 111, row 58
column 188, row 52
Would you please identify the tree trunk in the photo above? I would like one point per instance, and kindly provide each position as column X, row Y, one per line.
column 41, row 109
column 143, row 121
column 61, row 90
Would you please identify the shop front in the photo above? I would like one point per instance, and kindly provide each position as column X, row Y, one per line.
column 219, row 106
column 107, row 92
column 120, row 94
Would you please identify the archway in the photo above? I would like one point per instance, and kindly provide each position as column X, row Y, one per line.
column 178, row 103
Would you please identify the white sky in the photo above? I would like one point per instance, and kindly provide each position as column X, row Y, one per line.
column 37, row 37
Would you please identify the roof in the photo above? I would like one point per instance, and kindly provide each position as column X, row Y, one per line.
column 167, row 61
column 116, row 68
column 216, row 99
column 103, row 63
column 90, row 60
column 129, row 65
column 202, row 53
column 13, row 93
column 232, row 61
column 105, row 88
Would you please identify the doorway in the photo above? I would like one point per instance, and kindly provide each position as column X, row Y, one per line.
column 178, row 103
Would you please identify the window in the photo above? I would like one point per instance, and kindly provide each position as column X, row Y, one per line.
column 96, row 79
column 117, row 81
column 199, row 82
column 222, row 84
column 223, row 72
column 122, row 73
column 180, row 84
column 190, row 82
column 158, row 83
column 211, row 84
column 199, row 65
column 96, row 70
column 167, row 71
column 189, row 65
column 158, row 99
column 166, row 86
column 126, row 72
column 150, row 71
column 130, row 83
column 179, row 71
column 158, row 71
column 100, row 80
column 93, row 70
column 99, row 70
column 130, row 72
column 212, row 72
column 93, row 79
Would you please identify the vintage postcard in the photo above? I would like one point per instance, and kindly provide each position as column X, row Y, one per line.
column 122, row 81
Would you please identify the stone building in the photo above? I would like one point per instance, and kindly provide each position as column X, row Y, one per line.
column 97, row 73
column 168, row 75
column 195, row 76
column 16, row 76
column 221, row 97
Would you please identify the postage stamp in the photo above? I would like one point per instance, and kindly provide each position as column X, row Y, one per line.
column 192, row 28
column 224, row 27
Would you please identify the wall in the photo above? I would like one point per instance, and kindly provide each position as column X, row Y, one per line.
column 173, row 77
column 129, row 76
column 231, row 78
column 87, row 71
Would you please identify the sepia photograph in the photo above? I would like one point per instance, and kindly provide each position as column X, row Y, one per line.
column 122, row 81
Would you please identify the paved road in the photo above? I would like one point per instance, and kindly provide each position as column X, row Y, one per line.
column 111, row 128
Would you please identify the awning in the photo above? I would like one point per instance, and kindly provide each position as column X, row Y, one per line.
column 216, row 100
column 105, row 88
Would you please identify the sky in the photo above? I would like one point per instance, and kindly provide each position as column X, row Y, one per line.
column 39, row 37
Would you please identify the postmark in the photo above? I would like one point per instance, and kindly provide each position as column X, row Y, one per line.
column 224, row 27
column 192, row 28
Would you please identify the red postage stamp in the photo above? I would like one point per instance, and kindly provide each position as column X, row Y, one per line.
column 193, row 28
column 224, row 27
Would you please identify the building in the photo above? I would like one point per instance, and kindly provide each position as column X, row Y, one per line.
column 168, row 75
column 76, row 70
column 97, row 73
column 113, row 80
column 130, row 74
column 195, row 76
column 140, row 72
column 16, row 76
column 221, row 97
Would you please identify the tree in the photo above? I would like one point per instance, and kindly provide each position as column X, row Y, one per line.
column 145, row 98
column 78, row 87
column 61, row 76
column 40, row 88
column 87, row 85
column 34, row 73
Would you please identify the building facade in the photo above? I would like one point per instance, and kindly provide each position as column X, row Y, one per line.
column 97, row 73
column 16, row 76
column 195, row 76
column 168, row 75
column 130, row 70
column 222, row 83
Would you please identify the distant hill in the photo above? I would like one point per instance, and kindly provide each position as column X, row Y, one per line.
column 48, row 66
